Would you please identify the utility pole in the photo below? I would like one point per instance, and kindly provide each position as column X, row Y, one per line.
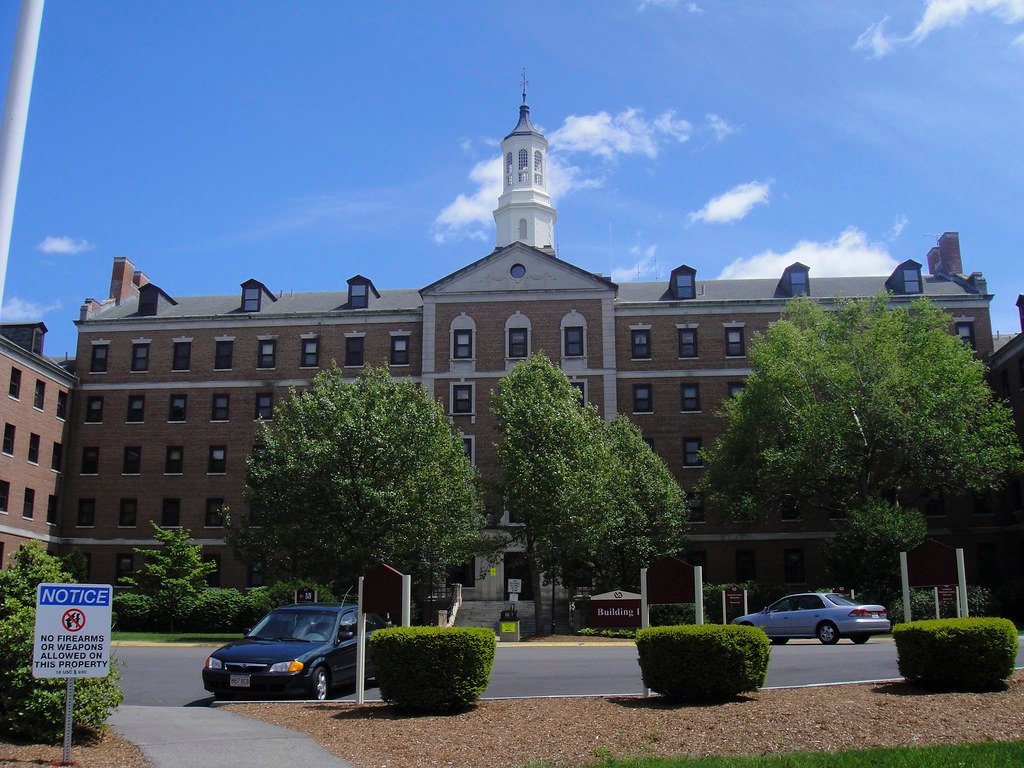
column 15, row 118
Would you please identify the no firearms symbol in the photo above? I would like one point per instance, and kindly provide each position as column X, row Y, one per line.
column 73, row 620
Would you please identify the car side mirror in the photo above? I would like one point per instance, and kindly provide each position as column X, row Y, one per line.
column 246, row 631
column 345, row 634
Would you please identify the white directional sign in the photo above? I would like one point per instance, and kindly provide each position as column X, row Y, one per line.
column 72, row 630
column 515, row 585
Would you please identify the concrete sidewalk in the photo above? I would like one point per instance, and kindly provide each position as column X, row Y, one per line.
column 201, row 737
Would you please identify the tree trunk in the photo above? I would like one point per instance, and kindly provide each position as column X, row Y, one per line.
column 538, row 603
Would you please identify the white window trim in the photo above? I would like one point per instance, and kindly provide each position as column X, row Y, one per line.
column 223, row 338
column 573, row 319
column 182, row 339
column 355, row 334
column 518, row 321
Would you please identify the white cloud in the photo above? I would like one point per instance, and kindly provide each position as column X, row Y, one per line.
column 16, row 310
column 64, row 245
column 849, row 254
column 873, row 39
column 627, row 133
column 1018, row 42
column 644, row 266
column 694, row 8
column 939, row 14
column 897, row 227
column 469, row 216
column 718, row 126
column 657, row 4
column 734, row 204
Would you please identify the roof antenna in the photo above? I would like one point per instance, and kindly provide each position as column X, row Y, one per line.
column 524, row 82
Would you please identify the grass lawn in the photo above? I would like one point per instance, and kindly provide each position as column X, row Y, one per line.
column 175, row 637
column 994, row 755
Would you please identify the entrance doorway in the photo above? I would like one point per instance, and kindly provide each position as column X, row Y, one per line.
column 516, row 567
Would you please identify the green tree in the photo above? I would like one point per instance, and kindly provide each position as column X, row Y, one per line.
column 173, row 574
column 857, row 405
column 651, row 516
column 558, row 473
column 352, row 473
column 30, row 707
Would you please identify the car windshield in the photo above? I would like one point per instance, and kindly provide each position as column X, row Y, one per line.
column 840, row 600
column 306, row 625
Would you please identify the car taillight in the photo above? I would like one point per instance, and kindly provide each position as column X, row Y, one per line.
column 860, row 612
column 883, row 612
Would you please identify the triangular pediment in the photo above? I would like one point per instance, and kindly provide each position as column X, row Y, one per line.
column 518, row 268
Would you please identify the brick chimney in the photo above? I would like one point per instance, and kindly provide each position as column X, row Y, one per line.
column 945, row 258
column 89, row 307
column 139, row 279
column 122, row 285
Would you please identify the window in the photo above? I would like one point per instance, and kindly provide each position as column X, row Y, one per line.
column 641, row 341
column 177, row 408
column 174, row 461
column 33, row 448
column 1004, row 382
column 52, row 502
column 124, row 566
column 581, row 388
column 86, row 513
column 353, row 351
column 222, row 355
column 94, row 409
column 213, row 577
column 40, row 395
column 734, row 342
column 462, row 398
column 697, row 514
column 90, row 460
column 220, row 407
column 508, row 169
column 98, row 363
column 643, row 400
column 799, row 285
column 28, row 509
column 127, row 515
column 5, row 495
column 140, row 357
column 735, row 387
column 687, row 342
column 935, row 504
column 399, row 350
column 684, row 285
column 691, row 452
column 469, row 448
column 181, row 359
column 358, row 296
column 310, row 353
column 983, row 504
column 62, row 404
column 265, row 405
column 463, row 344
column 690, row 397
column 214, row 513
column 518, row 342
column 57, row 457
column 15, row 388
column 254, row 575
column 267, row 353
column 911, row 280
column 518, row 271
column 136, row 409
column 573, row 341
column 251, row 296
column 965, row 330
column 791, row 510
column 170, row 513
column 218, row 461
column 524, row 165
column 9, row 432
column 745, row 565
column 132, row 463
column 538, row 167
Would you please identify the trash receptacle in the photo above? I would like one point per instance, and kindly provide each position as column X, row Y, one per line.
column 509, row 626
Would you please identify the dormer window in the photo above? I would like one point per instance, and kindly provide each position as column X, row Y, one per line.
column 911, row 280
column 359, row 290
column 150, row 299
column 253, row 294
column 684, row 283
column 795, row 281
column 906, row 279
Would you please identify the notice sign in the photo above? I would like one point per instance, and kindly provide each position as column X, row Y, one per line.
column 72, row 630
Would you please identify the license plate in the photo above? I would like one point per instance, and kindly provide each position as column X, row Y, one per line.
column 240, row 681
column 874, row 615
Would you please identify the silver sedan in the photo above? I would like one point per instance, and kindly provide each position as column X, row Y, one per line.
column 823, row 615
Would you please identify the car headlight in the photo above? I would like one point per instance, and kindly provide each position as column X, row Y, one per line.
column 212, row 663
column 286, row 666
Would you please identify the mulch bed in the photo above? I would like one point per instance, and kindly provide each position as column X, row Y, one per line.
column 109, row 751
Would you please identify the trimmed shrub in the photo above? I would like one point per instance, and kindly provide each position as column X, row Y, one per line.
column 133, row 612
column 215, row 610
column 432, row 669
column 256, row 603
column 708, row 662
column 957, row 654
column 922, row 604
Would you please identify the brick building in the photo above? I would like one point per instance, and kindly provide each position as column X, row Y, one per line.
column 32, row 455
column 170, row 387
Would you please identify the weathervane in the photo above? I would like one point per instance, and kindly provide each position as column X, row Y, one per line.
column 524, row 82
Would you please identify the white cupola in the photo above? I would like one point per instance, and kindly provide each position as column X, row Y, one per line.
column 524, row 213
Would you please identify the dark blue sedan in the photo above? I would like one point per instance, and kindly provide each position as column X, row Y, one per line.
column 297, row 651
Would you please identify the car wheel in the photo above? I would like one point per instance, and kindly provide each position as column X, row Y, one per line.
column 827, row 633
column 860, row 639
column 779, row 640
column 319, row 684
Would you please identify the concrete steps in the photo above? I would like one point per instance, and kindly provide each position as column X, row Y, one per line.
column 487, row 613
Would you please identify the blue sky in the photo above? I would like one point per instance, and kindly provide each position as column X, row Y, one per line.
column 301, row 143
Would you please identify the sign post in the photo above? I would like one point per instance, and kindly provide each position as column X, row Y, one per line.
column 72, row 639
column 934, row 564
column 360, row 647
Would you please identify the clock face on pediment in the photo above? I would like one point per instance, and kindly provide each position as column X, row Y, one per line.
column 518, row 268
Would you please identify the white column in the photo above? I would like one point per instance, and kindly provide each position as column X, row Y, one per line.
column 406, row 600
column 906, row 586
column 15, row 119
column 962, row 577
column 360, row 648
column 698, row 587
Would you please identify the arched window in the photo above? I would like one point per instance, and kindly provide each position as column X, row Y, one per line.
column 508, row 169
column 518, row 331
column 524, row 166
column 538, row 167
column 462, row 337
column 574, row 336
column 522, row 229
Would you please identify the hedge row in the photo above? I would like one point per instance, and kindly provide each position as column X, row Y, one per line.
column 959, row 654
